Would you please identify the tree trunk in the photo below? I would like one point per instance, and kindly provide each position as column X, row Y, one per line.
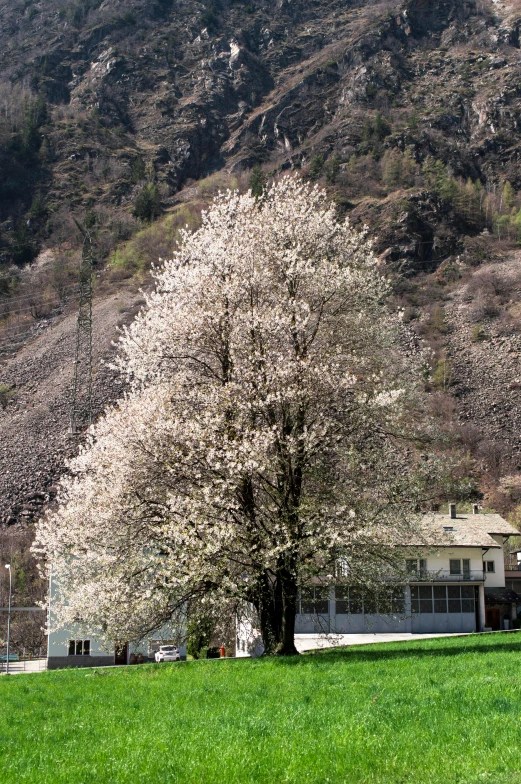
column 286, row 645
column 267, row 603
column 276, row 603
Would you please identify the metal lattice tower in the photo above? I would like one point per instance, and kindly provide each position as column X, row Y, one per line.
column 81, row 397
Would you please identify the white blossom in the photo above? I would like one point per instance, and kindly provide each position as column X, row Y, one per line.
column 262, row 436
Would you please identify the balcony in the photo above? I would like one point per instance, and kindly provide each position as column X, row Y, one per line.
column 445, row 576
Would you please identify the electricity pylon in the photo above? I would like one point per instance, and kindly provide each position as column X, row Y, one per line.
column 81, row 397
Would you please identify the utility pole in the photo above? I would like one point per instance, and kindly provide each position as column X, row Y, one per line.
column 8, row 567
column 81, row 397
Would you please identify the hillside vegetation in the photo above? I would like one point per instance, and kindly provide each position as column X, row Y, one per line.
column 444, row 710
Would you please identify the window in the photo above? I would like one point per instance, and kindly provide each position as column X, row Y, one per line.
column 356, row 605
column 467, row 598
column 455, row 566
column 307, row 601
column 445, row 598
column 426, row 599
column 490, row 566
column 466, row 568
column 353, row 600
column 79, row 647
column 454, row 597
column 392, row 601
column 415, row 599
column 341, row 599
column 398, row 600
column 440, row 599
column 415, row 566
column 314, row 600
column 370, row 603
column 421, row 599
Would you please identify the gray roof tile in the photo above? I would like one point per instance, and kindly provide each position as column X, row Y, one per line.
column 466, row 530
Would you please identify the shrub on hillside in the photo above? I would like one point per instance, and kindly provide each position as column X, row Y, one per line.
column 138, row 170
column 315, row 167
column 257, row 181
column 6, row 394
column 147, row 204
column 332, row 169
column 439, row 321
column 478, row 333
column 442, row 375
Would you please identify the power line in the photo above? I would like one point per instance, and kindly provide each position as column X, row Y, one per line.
column 8, row 335
column 8, row 331
column 43, row 304
column 9, row 300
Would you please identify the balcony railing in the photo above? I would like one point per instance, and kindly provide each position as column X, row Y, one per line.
column 444, row 576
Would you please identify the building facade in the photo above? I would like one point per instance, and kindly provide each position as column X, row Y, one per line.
column 457, row 585
column 70, row 648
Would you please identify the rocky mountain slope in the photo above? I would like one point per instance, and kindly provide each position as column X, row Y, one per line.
column 125, row 112
column 121, row 92
column 34, row 426
column 483, row 350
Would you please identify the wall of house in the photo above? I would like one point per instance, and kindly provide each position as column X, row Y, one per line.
column 58, row 645
column 495, row 579
column 408, row 621
column 58, row 651
column 440, row 559
column 354, row 624
column 249, row 641
column 443, row 623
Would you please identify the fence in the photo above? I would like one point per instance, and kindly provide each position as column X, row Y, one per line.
column 23, row 665
column 445, row 575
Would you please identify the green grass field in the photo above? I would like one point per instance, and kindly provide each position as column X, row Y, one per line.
column 445, row 710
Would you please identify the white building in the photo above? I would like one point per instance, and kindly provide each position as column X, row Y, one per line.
column 70, row 648
column 458, row 585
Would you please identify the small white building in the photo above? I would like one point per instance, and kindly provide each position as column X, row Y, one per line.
column 70, row 648
column 458, row 585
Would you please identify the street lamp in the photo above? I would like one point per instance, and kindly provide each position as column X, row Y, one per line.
column 8, row 566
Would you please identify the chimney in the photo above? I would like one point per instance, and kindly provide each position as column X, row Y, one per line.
column 475, row 509
column 452, row 511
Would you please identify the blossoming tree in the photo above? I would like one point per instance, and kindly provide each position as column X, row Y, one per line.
column 266, row 436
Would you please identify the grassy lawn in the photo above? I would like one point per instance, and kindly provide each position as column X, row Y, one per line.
column 445, row 710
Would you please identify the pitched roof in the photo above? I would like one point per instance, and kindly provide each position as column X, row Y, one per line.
column 465, row 530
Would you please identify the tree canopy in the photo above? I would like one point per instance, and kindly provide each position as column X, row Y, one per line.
column 268, row 434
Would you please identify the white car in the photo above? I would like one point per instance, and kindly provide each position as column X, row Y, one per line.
column 167, row 653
